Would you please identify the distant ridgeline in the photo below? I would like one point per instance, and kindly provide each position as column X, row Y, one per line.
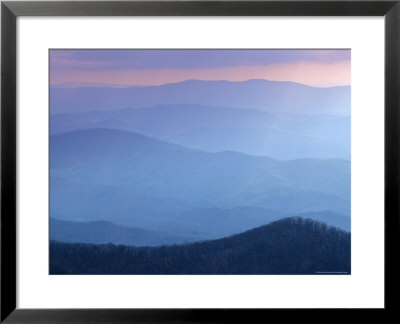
column 273, row 96
column 287, row 246
column 283, row 120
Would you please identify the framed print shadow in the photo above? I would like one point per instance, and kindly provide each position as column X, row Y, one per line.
column 196, row 161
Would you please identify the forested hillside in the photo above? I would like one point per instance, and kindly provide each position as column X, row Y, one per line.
column 287, row 246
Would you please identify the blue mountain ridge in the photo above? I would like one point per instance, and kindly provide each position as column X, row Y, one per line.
column 215, row 129
column 272, row 96
column 134, row 180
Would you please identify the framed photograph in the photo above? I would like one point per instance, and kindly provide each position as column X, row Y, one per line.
column 198, row 161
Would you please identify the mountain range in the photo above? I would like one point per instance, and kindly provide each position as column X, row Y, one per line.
column 216, row 129
column 184, row 194
column 200, row 177
column 272, row 96
column 156, row 169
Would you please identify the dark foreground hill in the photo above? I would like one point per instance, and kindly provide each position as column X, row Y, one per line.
column 288, row 246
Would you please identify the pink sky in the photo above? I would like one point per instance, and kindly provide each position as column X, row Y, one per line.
column 310, row 73
column 319, row 68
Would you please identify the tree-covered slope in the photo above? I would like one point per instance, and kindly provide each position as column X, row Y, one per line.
column 288, row 246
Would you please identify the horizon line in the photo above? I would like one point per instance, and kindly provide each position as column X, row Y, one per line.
column 89, row 84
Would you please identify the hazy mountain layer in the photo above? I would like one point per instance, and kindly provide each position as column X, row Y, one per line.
column 128, row 164
column 107, row 232
column 265, row 95
column 215, row 129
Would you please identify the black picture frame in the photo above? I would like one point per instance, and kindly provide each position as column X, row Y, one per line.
column 10, row 10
